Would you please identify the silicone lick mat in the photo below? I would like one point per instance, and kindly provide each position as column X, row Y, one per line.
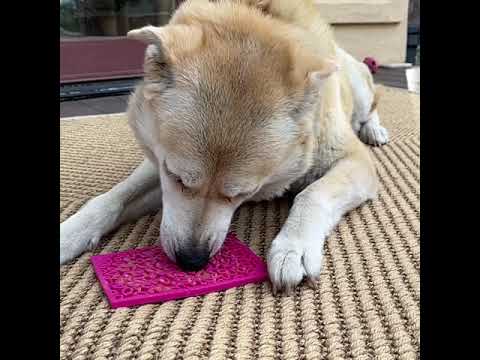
column 147, row 275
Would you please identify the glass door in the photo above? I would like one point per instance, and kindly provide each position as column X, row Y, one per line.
column 93, row 45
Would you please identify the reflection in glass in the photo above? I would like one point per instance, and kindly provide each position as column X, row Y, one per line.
column 80, row 18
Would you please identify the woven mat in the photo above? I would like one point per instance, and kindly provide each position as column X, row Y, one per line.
column 367, row 303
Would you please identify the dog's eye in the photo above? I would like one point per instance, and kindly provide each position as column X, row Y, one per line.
column 179, row 181
column 237, row 197
column 176, row 178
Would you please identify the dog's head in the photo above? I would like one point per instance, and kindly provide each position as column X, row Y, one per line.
column 227, row 108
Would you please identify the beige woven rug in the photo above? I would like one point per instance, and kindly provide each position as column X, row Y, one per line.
column 367, row 303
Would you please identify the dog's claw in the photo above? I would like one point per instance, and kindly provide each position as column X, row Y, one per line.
column 312, row 283
column 291, row 261
column 274, row 290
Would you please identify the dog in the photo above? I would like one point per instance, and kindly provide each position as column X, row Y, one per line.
column 241, row 105
column 304, row 13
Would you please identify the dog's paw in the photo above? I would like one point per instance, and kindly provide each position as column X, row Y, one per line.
column 74, row 240
column 290, row 260
column 83, row 230
column 373, row 134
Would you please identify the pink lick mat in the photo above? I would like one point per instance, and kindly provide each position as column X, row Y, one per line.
column 147, row 275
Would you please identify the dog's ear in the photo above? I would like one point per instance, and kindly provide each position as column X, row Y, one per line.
column 170, row 41
column 147, row 34
column 314, row 71
column 166, row 45
column 322, row 71
column 263, row 5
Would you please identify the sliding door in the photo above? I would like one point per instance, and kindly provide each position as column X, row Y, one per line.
column 93, row 45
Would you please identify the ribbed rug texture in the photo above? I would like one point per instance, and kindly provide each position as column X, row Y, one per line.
column 366, row 305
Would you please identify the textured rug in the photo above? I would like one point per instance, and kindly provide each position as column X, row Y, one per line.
column 367, row 302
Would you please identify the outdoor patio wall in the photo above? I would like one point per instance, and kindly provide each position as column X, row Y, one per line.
column 376, row 28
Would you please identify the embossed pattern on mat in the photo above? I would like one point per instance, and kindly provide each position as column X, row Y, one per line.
column 366, row 305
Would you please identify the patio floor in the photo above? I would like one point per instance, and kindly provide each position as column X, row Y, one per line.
column 366, row 304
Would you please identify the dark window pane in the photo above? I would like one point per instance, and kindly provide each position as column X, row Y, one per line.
column 80, row 18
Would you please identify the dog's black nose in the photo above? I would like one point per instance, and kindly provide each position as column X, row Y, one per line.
column 192, row 259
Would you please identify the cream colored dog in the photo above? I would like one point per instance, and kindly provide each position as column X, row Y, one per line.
column 237, row 106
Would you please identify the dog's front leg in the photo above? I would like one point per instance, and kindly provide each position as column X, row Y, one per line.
column 297, row 250
column 103, row 213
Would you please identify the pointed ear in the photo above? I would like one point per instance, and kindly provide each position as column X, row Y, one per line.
column 147, row 34
column 165, row 45
column 263, row 5
column 310, row 68
column 171, row 41
column 322, row 71
column 314, row 72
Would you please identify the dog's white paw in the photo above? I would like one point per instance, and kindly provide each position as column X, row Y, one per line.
column 83, row 230
column 290, row 260
column 373, row 134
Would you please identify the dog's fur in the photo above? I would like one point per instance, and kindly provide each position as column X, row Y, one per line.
column 304, row 13
column 238, row 105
